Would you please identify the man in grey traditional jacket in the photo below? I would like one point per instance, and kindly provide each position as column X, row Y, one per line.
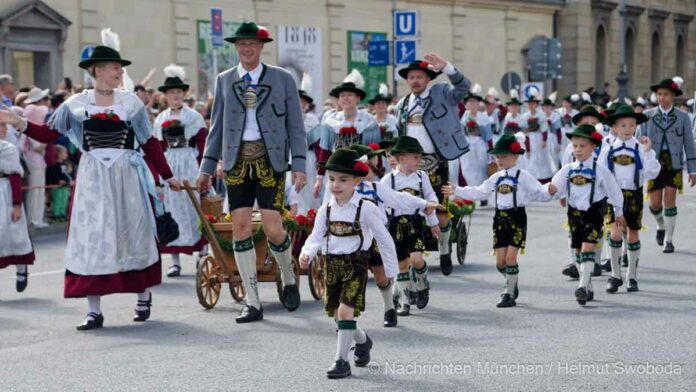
column 256, row 126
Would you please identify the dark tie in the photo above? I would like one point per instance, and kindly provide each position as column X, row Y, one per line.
column 665, row 118
column 419, row 101
column 247, row 78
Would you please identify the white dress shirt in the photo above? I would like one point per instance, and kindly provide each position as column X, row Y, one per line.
column 413, row 181
column 625, row 174
column 528, row 189
column 370, row 223
column 389, row 198
column 605, row 186
column 251, row 126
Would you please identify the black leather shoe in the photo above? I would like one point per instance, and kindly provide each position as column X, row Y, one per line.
column 590, row 295
column 249, row 314
column 581, row 295
column 390, row 319
column 143, row 315
column 506, row 301
column 660, row 237
column 571, row 271
column 362, row 353
column 606, row 265
column 446, row 264
column 291, row 297
column 613, row 285
column 174, row 271
column 624, row 261
column 632, row 285
column 92, row 321
column 403, row 310
column 22, row 285
column 412, row 297
column 340, row 369
column 597, row 270
column 669, row 247
column 423, row 298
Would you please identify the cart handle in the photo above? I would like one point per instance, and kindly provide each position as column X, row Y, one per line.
column 207, row 226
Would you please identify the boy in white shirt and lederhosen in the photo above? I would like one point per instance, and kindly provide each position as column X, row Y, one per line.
column 585, row 185
column 384, row 196
column 512, row 188
column 406, row 225
column 632, row 161
column 673, row 142
column 343, row 230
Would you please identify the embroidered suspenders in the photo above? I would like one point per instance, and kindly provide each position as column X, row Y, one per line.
column 505, row 188
column 583, row 180
column 625, row 160
column 420, row 186
column 344, row 229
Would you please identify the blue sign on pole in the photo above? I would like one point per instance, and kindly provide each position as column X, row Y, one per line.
column 216, row 27
column 405, row 23
column 86, row 52
column 404, row 51
column 378, row 53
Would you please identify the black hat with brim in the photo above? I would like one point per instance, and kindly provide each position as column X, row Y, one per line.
column 471, row 95
column 348, row 87
column 513, row 101
column 406, row 145
column 103, row 54
column 587, row 111
column 303, row 95
column 507, row 144
column 250, row 30
column 345, row 160
column 588, row 132
column 668, row 84
column 418, row 65
column 380, row 98
column 626, row 111
column 386, row 145
column 548, row 102
column 532, row 99
column 172, row 83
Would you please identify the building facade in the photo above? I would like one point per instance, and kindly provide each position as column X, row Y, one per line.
column 41, row 41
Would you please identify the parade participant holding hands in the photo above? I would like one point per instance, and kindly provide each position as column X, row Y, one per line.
column 111, row 246
column 430, row 115
column 256, row 126
column 669, row 129
column 343, row 230
column 182, row 132
column 632, row 161
column 585, row 185
column 513, row 188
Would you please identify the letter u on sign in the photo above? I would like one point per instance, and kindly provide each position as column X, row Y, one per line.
column 405, row 23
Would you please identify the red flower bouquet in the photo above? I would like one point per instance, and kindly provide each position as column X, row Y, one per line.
column 348, row 131
column 171, row 123
column 111, row 116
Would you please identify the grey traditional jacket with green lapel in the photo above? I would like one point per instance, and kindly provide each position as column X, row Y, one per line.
column 676, row 134
column 278, row 113
column 441, row 116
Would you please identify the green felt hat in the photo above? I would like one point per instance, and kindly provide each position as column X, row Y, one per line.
column 345, row 160
column 418, row 65
column 507, row 144
column 250, row 30
column 588, row 132
column 625, row 111
column 668, row 84
column 103, row 54
column 406, row 145
column 587, row 111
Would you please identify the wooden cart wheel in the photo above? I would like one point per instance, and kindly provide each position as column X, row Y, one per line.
column 316, row 277
column 237, row 290
column 207, row 283
column 462, row 241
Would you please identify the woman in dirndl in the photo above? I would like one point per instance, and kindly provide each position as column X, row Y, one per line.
column 112, row 244
column 182, row 132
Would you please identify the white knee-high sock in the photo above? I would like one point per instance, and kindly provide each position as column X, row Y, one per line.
column 21, row 269
column 586, row 268
column 360, row 335
column 633, row 256
column 443, row 242
column 176, row 259
column 245, row 256
column 670, row 223
column 657, row 214
column 283, row 256
column 144, row 296
column 615, row 248
column 94, row 304
column 386, row 294
column 403, row 282
column 346, row 335
column 422, row 277
column 512, row 273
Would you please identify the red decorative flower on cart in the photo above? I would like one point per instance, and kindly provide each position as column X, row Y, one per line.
column 348, row 131
column 468, row 202
column 459, row 202
column 211, row 218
